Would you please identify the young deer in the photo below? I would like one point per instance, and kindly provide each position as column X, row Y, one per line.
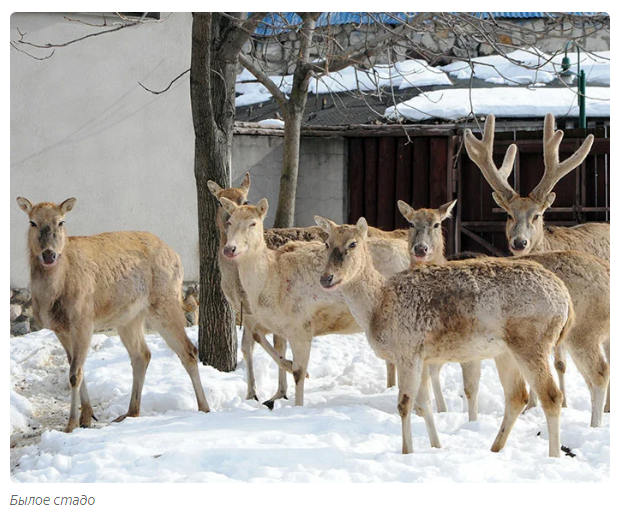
column 389, row 251
column 587, row 279
column 525, row 228
column 470, row 310
column 115, row 279
column 282, row 286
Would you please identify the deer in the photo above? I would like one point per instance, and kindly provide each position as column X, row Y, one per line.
column 389, row 249
column 587, row 279
column 525, row 229
column 515, row 312
column 80, row 284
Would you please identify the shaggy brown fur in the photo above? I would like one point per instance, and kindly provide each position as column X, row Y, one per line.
column 587, row 279
column 389, row 250
column 463, row 311
column 115, row 279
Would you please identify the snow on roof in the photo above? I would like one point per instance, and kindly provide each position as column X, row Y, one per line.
column 405, row 74
column 511, row 102
column 522, row 71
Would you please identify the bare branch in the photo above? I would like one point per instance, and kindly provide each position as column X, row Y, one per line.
column 168, row 86
column 263, row 78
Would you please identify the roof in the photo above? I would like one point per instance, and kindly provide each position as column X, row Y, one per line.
column 277, row 23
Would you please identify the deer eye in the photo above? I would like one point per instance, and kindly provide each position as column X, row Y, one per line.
column 327, row 246
column 33, row 223
column 410, row 224
column 509, row 217
column 252, row 224
column 536, row 217
column 436, row 225
column 352, row 245
column 61, row 223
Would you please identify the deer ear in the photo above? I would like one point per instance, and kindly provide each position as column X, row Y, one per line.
column 500, row 201
column 214, row 188
column 227, row 204
column 445, row 210
column 25, row 204
column 246, row 181
column 550, row 199
column 67, row 205
column 262, row 207
column 406, row 210
column 325, row 224
column 362, row 226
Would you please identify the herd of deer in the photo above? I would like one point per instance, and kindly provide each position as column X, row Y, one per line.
column 418, row 309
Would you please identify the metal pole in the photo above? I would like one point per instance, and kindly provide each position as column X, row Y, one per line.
column 582, row 99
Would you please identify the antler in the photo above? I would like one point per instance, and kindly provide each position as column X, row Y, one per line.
column 555, row 171
column 481, row 152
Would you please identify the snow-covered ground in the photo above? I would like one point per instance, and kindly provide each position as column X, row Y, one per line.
column 348, row 430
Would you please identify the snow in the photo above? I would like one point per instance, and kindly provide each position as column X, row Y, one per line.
column 349, row 429
column 512, row 102
column 524, row 73
column 523, row 67
column 405, row 74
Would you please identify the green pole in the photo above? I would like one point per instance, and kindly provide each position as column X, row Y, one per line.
column 582, row 99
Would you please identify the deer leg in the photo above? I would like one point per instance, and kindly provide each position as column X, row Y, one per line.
column 423, row 407
column 532, row 400
column 585, row 350
column 247, row 353
column 537, row 372
column 409, row 373
column 77, row 343
column 606, row 349
column 169, row 320
column 132, row 337
column 391, row 374
column 259, row 335
column 515, row 396
column 434, row 371
column 301, row 354
column 87, row 413
column 282, row 386
column 560, row 367
column 471, row 372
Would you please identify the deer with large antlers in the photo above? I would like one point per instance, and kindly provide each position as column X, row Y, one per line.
column 525, row 229
column 514, row 312
column 587, row 279
column 115, row 279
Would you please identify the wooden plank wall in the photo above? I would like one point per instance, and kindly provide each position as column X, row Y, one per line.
column 393, row 168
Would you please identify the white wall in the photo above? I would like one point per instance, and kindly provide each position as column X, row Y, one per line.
column 81, row 126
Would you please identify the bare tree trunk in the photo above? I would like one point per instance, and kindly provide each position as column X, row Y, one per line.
column 285, row 214
column 212, row 85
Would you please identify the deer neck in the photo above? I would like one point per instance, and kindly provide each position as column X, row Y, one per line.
column 47, row 284
column 362, row 294
column 255, row 268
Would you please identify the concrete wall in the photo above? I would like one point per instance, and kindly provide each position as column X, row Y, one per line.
column 82, row 126
column 322, row 175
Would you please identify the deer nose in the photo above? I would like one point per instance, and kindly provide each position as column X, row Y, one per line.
column 421, row 250
column 49, row 256
column 326, row 280
column 519, row 244
column 229, row 251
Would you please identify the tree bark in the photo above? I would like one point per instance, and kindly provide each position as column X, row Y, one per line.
column 293, row 117
column 212, row 89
